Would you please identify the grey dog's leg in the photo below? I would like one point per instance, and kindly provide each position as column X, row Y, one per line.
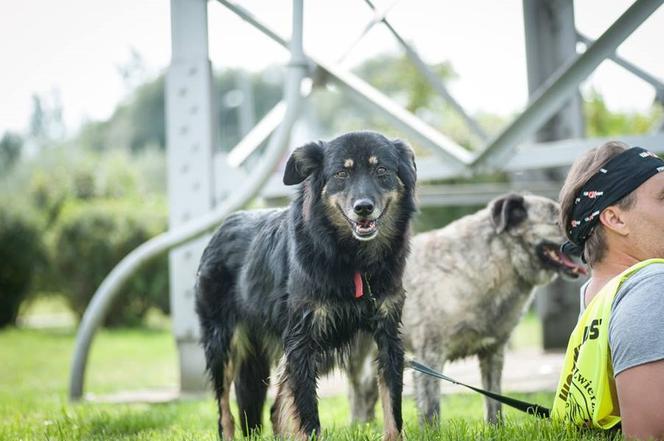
column 363, row 390
column 491, row 365
column 427, row 388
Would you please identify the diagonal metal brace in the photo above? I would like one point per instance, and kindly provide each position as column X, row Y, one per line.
column 562, row 84
column 442, row 146
column 433, row 79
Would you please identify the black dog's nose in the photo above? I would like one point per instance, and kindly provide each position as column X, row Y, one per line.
column 363, row 207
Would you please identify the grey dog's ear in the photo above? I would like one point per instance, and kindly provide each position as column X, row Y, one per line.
column 303, row 161
column 507, row 212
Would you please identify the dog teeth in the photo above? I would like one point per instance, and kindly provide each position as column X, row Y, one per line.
column 553, row 255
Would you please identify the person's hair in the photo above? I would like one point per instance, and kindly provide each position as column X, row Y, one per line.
column 585, row 167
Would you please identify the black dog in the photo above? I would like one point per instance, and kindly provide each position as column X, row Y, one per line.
column 304, row 281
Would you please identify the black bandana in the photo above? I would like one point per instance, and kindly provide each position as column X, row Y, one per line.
column 616, row 179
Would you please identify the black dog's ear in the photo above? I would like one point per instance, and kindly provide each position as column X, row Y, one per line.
column 407, row 170
column 507, row 212
column 303, row 162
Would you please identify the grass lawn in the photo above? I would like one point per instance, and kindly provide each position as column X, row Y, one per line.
column 34, row 369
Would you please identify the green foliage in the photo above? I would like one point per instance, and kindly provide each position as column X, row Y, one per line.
column 135, row 125
column 600, row 121
column 90, row 238
column 398, row 76
column 139, row 123
column 21, row 256
column 114, row 201
column 11, row 145
column 46, row 126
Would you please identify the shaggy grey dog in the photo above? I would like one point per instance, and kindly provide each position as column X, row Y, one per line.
column 468, row 285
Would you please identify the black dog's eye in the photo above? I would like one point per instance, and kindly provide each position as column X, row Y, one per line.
column 381, row 171
column 341, row 174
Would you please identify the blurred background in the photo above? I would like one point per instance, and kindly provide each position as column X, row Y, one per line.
column 82, row 119
column 83, row 135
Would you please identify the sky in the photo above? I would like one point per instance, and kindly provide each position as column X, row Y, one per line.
column 75, row 48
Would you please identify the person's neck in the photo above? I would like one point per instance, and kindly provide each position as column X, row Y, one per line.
column 610, row 266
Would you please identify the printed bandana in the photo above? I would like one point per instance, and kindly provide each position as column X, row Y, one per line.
column 615, row 180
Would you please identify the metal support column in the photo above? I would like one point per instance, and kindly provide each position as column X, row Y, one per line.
column 551, row 42
column 191, row 139
column 564, row 82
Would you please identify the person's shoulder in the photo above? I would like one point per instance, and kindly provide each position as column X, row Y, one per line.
column 636, row 329
column 643, row 281
column 652, row 271
column 653, row 268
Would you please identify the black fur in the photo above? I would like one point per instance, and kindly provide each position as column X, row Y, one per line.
column 286, row 275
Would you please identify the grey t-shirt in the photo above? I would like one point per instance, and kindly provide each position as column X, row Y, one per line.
column 636, row 328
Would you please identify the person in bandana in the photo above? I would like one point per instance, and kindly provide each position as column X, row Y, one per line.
column 612, row 211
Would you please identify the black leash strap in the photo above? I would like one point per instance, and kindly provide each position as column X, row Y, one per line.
column 533, row 409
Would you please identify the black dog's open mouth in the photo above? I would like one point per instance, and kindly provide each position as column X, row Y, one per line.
column 364, row 229
column 551, row 255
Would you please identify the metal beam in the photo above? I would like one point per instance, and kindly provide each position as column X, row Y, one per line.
column 433, row 79
column 462, row 195
column 563, row 153
column 192, row 136
column 160, row 244
column 430, row 138
column 562, row 84
column 378, row 16
column 629, row 66
column 257, row 135
column 368, row 96
column 527, row 157
column 550, row 38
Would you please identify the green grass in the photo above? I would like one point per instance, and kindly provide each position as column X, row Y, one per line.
column 34, row 369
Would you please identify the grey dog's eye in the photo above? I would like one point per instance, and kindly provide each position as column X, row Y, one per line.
column 341, row 174
column 381, row 171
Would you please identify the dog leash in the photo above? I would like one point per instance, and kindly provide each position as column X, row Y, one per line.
column 523, row 406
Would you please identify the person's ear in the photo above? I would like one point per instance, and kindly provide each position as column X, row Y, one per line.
column 303, row 162
column 612, row 218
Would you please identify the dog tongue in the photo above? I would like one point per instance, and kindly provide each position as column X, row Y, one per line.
column 569, row 263
column 359, row 289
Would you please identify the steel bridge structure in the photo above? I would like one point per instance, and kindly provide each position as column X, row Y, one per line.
column 203, row 182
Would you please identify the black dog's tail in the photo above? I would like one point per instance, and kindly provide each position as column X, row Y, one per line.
column 217, row 318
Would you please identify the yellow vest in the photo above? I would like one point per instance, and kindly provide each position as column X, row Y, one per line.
column 586, row 394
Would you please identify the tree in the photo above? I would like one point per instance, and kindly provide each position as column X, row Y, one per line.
column 397, row 76
column 10, row 150
column 38, row 126
column 46, row 120
column 140, row 121
column 600, row 121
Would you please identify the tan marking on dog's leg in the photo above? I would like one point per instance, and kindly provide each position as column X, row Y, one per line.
column 390, row 432
column 348, row 163
column 285, row 419
column 227, row 422
column 373, row 160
